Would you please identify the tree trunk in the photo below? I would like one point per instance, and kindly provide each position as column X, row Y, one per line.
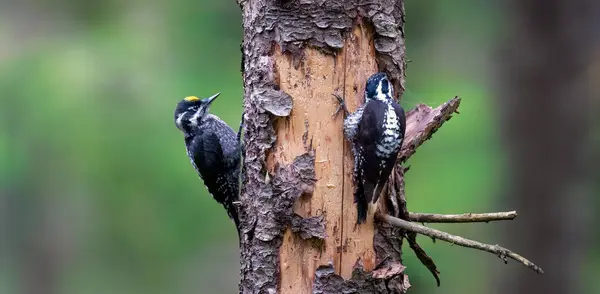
column 544, row 103
column 298, row 232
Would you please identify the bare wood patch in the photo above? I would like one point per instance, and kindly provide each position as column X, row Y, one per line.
column 310, row 84
column 357, row 241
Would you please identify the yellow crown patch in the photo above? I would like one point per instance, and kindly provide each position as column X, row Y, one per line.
column 191, row 98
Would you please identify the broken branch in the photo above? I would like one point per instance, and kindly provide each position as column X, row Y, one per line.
column 501, row 252
column 422, row 122
column 461, row 218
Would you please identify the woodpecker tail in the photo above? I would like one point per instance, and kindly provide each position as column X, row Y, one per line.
column 362, row 204
column 362, row 207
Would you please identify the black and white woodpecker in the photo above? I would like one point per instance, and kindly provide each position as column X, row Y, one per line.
column 214, row 150
column 376, row 131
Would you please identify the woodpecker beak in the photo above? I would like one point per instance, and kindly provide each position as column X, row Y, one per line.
column 212, row 98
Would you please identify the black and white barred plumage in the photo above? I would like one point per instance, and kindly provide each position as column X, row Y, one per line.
column 214, row 150
column 376, row 130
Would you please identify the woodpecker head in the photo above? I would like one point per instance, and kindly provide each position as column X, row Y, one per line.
column 190, row 112
column 379, row 88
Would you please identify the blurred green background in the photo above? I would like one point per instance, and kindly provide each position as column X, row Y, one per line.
column 97, row 191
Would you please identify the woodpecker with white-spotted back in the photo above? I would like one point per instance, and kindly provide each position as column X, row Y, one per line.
column 376, row 131
column 214, row 150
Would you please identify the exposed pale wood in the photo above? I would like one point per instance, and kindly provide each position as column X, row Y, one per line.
column 357, row 240
column 320, row 54
column 311, row 86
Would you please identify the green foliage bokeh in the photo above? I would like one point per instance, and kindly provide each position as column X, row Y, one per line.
column 95, row 169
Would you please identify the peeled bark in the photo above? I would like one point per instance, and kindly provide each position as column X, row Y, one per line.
column 298, row 218
column 298, row 166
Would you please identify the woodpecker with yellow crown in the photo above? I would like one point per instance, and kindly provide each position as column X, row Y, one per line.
column 214, row 150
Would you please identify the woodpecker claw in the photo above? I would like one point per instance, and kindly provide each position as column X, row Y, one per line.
column 342, row 105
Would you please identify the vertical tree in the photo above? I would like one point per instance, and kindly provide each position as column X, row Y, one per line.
column 298, row 231
column 296, row 55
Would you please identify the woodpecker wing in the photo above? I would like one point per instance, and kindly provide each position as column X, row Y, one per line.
column 362, row 205
column 215, row 171
column 370, row 129
column 208, row 159
column 387, row 165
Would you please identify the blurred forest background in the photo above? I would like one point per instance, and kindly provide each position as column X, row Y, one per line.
column 97, row 194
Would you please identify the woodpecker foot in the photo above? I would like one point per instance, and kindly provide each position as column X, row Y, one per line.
column 342, row 105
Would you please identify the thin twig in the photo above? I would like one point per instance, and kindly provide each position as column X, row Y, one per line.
column 502, row 252
column 461, row 218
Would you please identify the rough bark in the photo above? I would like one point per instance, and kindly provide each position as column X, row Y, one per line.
column 298, row 219
column 296, row 54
